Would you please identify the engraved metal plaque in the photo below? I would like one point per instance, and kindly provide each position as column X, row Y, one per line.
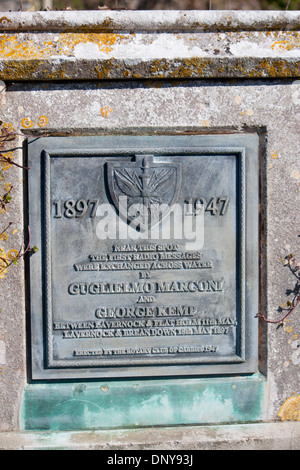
column 148, row 255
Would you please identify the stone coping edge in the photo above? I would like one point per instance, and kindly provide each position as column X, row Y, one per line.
column 258, row 436
column 98, row 45
column 150, row 21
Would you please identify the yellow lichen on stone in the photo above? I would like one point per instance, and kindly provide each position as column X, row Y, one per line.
column 274, row 68
column 12, row 254
column 290, row 410
column 3, row 263
column 8, row 126
column 5, row 163
column 27, row 123
column 105, row 41
column 106, row 111
column 4, row 20
column 193, row 67
column 43, row 121
column 292, row 41
column 14, row 47
column 19, row 47
column 20, row 68
column 103, row 70
column 8, row 187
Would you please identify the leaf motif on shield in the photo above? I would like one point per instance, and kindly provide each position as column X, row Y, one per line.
column 143, row 192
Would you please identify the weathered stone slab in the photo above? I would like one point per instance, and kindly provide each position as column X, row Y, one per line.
column 268, row 107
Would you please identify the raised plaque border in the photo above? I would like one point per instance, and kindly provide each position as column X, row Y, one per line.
column 245, row 360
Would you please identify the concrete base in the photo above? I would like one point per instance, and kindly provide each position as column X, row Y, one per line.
column 262, row 436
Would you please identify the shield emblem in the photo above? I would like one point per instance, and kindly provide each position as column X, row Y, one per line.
column 143, row 191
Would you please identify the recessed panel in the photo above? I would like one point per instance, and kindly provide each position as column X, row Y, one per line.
column 147, row 261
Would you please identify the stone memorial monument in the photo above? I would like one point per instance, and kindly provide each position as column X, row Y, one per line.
column 150, row 174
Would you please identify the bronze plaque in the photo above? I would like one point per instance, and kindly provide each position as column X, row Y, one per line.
column 148, row 255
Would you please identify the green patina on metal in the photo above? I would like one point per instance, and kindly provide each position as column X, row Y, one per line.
column 134, row 403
